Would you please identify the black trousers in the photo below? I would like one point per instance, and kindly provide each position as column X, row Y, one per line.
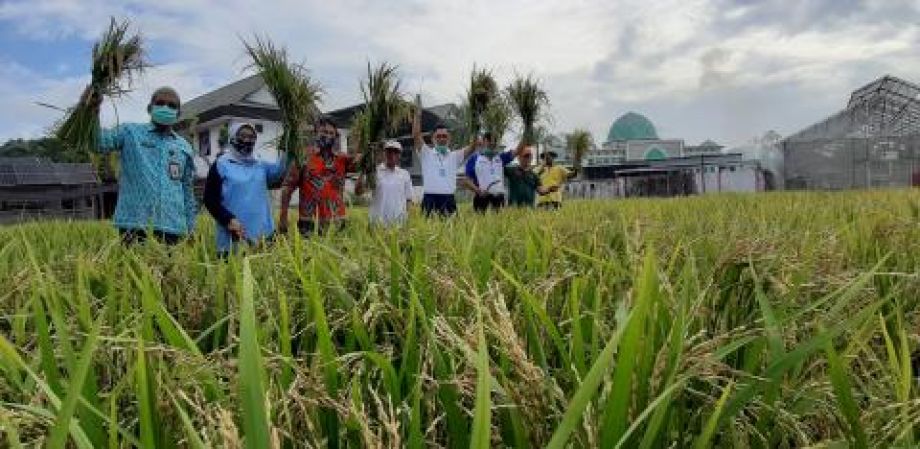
column 482, row 203
column 444, row 205
column 135, row 236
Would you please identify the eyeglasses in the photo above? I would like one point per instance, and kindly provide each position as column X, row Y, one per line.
column 169, row 104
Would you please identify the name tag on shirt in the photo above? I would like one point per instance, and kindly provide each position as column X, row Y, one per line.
column 174, row 172
column 443, row 173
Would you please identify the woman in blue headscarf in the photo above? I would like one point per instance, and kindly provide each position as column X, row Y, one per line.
column 236, row 192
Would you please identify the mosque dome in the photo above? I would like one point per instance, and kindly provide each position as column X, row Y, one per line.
column 632, row 126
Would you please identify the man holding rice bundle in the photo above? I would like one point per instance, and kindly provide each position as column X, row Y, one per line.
column 236, row 192
column 156, row 185
column 321, row 182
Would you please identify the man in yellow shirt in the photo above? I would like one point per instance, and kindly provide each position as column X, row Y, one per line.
column 552, row 179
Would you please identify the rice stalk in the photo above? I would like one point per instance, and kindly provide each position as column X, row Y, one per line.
column 385, row 109
column 530, row 102
column 118, row 58
column 295, row 92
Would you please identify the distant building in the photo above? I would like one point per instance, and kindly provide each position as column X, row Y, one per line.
column 32, row 188
column 873, row 142
column 635, row 161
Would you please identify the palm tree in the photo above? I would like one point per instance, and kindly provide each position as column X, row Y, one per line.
column 579, row 142
column 530, row 103
column 295, row 92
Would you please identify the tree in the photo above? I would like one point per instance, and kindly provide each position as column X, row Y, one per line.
column 579, row 142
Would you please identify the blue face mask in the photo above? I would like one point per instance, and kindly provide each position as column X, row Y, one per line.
column 164, row 115
column 441, row 149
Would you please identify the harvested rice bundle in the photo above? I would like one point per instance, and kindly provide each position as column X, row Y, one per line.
column 529, row 102
column 295, row 92
column 385, row 109
column 118, row 58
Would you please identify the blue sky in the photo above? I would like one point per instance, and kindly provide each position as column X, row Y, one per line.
column 722, row 69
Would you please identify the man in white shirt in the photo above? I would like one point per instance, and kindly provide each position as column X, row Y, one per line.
column 439, row 167
column 393, row 194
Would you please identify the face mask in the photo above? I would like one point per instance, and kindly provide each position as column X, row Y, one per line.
column 164, row 115
column 325, row 143
column 441, row 149
column 489, row 152
column 245, row 148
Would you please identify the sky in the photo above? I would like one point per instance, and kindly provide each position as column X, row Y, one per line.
column 727, row 70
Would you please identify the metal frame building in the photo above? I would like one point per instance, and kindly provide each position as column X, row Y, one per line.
column 874, row 142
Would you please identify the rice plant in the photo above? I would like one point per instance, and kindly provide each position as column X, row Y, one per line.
column 385, row 109
column 118, row 57
column 481, row 94
column 497, row 118
column 756, row 321
column 295, row 92
column 529, row 102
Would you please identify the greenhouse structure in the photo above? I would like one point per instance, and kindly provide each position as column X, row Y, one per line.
column 874, row 142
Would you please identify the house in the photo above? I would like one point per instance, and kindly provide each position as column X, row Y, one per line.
column 32, row 187
column 207, row 119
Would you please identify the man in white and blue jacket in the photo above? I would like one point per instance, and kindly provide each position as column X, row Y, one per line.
column 485, row 174
column 236, row 192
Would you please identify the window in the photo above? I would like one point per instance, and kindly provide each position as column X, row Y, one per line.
column 204, row 143
column 259, row 128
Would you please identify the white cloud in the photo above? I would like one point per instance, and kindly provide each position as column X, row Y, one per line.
column 698, row 68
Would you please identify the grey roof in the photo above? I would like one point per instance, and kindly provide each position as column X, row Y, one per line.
column 232, row 93
column 444, row 111
column 20, row 171
column 886, row 107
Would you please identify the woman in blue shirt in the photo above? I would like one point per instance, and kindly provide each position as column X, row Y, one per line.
column 236, row 192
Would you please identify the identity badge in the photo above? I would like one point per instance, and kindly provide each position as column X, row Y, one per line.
column 443, row 173
column 174, row 172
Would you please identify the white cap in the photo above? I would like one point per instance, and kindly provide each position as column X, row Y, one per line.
column 392, row 145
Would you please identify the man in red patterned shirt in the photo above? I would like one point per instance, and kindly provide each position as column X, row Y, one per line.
column 321, row 181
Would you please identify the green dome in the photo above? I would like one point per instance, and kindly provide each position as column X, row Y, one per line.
column 632, row 126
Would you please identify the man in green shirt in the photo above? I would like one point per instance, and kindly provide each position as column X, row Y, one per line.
column 523, row 183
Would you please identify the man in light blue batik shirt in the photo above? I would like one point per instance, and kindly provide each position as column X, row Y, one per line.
column 156, row 184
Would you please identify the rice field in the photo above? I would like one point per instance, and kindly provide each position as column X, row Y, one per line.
column 752, row 321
